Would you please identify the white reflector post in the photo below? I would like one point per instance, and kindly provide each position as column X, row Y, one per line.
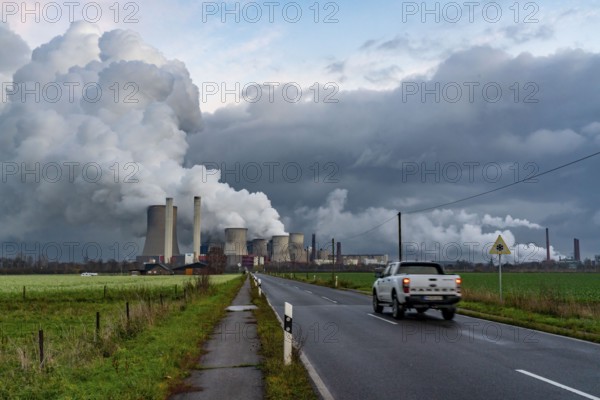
column 287, row 334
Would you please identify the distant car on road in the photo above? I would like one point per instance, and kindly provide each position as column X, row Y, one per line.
column 89, row 274
column 419, row 285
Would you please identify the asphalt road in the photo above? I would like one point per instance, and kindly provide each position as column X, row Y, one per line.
column 360, row 355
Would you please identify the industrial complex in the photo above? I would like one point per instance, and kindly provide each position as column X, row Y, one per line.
column 161, row 249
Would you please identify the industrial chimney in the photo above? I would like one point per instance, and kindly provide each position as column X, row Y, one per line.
column 313, row 250
column 547, row 245
column 169, row 230
column 154, row 245
column 197, row 215
column 576, row 253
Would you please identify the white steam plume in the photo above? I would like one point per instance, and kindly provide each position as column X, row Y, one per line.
column 134, row 133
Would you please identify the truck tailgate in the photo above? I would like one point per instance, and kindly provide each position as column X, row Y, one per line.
column 433, row 284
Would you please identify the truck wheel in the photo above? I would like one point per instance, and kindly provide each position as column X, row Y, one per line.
column 397, row 308
column 448, row 313
column 378, row 308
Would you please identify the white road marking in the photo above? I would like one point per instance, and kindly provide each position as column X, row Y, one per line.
column 297, row 287
column 328, row 299
column 570, row 389
column 308, row 291
column 383, row 319
column 325, row 393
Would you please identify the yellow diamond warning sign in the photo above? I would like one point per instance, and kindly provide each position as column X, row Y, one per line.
column 499, row 247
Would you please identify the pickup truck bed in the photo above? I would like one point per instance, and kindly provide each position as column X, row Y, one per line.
column 416, row 285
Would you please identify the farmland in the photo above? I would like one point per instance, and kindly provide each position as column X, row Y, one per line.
column 93, row 337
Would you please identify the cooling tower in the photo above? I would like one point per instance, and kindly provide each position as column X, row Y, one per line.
column 155, row 232
column 296, row 247
column 259, row 247
column 235, row 241
column 197, row 214
column 324, row 254
column 235, row 245
column 280, row 248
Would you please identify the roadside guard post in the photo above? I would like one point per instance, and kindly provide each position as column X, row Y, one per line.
column 287, row 334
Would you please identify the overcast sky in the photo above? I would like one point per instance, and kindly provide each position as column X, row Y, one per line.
column 325, row 117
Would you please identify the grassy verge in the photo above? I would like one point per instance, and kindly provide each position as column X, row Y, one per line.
column 572, row 326
column 146, row 357
column 281, row 382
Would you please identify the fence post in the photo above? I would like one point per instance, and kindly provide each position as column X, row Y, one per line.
column 127, row 311
column 97, row 332
column 287, row 335
column 41, row 343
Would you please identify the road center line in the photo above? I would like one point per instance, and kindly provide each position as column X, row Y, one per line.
column 570, row 389
column 383, row 319
column 308, row 291
column 328, row 299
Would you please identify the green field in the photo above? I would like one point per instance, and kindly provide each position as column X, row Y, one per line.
column 565, row 303
column 140, row 356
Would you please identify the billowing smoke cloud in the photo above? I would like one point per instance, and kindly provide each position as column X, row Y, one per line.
column 441, row 235
column 93, row 130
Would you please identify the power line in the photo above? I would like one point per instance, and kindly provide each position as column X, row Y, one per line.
column 477, row 195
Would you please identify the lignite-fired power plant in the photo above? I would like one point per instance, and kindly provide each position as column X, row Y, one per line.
column 161, row 243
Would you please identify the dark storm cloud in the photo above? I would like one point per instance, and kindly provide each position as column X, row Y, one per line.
column 499, row 118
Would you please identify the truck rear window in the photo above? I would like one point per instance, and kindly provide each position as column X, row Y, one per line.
column 419, row 270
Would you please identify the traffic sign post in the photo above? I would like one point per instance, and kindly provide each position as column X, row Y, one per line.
column 500, row 248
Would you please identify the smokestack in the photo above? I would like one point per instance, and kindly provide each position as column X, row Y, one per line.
column 154, row 245
column 547, row 245
column 576, row 253
column 338, row 256
column 313, row 251
column 169, row 230
column 197, row 215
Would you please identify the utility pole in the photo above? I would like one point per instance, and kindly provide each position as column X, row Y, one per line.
column 332, row 259
column 399, row 236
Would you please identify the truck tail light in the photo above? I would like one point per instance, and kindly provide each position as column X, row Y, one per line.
column 458, row 283
column 406, row 285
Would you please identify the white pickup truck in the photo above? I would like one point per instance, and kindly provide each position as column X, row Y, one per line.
column 418, row 285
